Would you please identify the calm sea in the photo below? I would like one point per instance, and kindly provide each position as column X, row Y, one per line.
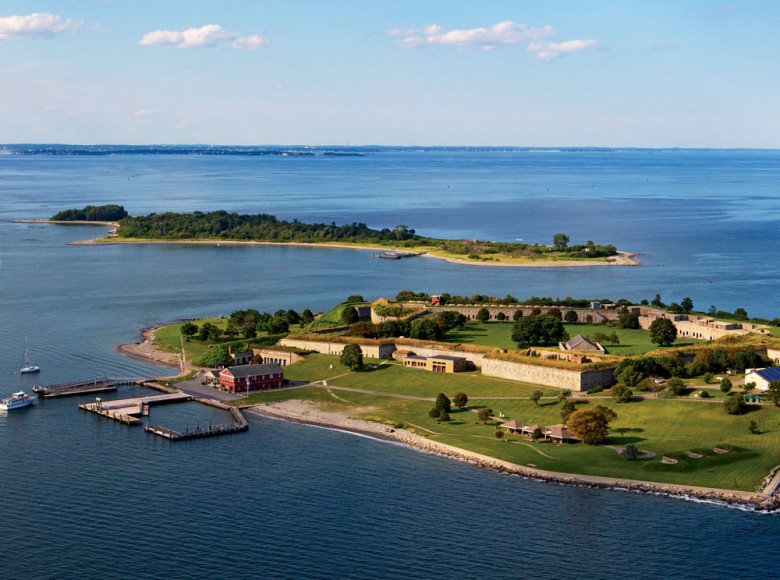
column 85, row 498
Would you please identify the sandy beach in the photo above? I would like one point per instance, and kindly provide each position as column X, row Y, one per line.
column 306, row 412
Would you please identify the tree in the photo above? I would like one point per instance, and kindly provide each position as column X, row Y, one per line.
column 501, row 316
column 538, row 330
column 676, row 386
column 460, row 399
column 189, row 329
column 630, row 452
column 352, row 357
column 560, row 242
column 277, row 325
column 657, row 302
column 571, row 317
column 499, row 434
column 443, row 403
column 307, row 316
column 484, row 415
column 425, row 329
column 621, row 393
column 483, row 315
column 567, row 409
column 208, row 331
column 564, row 395
column 349, row 315
column 293, row 317
column 613, row 339
column 686, row 304
column 773, row 392
column 628, row 319
column 753, row 428
column 535, row 396
column 517, row 315
column 734, row 405
column 740, row 314
column 725, row 385
column 629, row 373
column 444, row 416
column 663, row 332
column 591, row 425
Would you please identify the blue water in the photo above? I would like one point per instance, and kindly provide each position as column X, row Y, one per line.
column 285, row 500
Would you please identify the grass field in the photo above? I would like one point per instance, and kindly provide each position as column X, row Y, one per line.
column 665, row 427
column 499, row 335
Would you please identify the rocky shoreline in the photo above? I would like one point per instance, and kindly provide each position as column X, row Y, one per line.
column 308, row 413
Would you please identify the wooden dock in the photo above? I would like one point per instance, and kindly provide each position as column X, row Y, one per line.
column 96, row 385
column 210, row 431
column 127, row 410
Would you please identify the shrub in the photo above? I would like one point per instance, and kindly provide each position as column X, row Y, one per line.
column 622, row 394
column 725, row 384
column 676, row 386
column 630, row 452
column 734, row 405
column 704, row 395
column 594, row 390
column 707, row 378
column 499, row 434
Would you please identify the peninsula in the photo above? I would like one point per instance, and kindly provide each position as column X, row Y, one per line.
column 506, row 384
column 263, row 229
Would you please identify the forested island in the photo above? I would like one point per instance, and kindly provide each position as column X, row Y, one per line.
column 266, row 228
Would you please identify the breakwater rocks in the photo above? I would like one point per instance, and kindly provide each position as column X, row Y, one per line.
column 308, row 413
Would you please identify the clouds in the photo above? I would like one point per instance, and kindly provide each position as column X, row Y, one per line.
column 205, row 36
column 545, row 51
column 35, row 25
column 502, row 34
column 507, row 33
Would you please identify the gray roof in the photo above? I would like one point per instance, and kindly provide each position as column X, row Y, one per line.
column 445, row 357
column 254, row 370
column 581, row 343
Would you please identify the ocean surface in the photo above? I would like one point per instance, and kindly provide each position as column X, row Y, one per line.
column 85, row 498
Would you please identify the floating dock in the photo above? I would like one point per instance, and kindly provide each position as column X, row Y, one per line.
column 396, row 255
column 97, row 385
column 210, row 431
column 127, row 410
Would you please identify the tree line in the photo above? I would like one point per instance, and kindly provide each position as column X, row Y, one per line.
column 92, row 213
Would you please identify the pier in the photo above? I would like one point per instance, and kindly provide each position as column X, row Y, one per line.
column 210, row 431
column 127, row 410
column 85, row 387
column 396, row 255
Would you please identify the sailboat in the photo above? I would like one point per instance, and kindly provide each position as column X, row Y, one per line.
column 27, row 366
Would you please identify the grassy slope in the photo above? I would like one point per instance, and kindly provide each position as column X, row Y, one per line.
column 662, row 426
column 499, row 335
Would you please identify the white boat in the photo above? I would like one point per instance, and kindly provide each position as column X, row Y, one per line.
column 16, row 401
column 27, row 366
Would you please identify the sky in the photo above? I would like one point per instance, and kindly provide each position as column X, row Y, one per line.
column 532, row 73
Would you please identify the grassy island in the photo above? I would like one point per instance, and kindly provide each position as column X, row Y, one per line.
column 221, row 226
column 684, row 415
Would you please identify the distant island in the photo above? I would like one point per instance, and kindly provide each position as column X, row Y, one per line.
column 403, row 241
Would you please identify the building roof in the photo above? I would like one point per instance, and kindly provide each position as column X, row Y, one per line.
column 513, row 424
column 581, row 343
column 445, row 357
column 253, row 370
column 414, row 357
column 559, row 432
column 770, row 374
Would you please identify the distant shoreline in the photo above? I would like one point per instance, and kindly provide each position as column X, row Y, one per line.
column 621, row 259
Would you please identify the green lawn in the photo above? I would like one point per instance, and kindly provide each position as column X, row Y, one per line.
column 664, row 427
column 499, row 335
column 169, row 338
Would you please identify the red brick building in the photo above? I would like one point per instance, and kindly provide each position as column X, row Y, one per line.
column 248, row 378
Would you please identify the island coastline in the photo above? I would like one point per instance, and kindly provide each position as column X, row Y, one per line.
column 622, row 258
column 307, row 413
